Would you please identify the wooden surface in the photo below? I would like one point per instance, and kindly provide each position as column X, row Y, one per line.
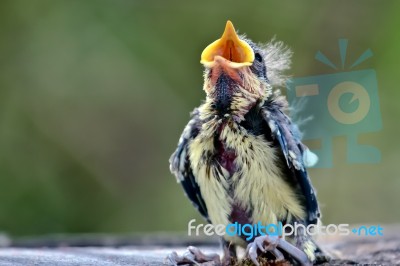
column 152, row 249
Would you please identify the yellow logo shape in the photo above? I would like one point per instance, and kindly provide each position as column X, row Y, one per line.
column 358, row 92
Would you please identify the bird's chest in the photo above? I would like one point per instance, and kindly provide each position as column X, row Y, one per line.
column 239, row 177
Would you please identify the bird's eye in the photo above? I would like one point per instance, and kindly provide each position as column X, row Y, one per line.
column 258, row 57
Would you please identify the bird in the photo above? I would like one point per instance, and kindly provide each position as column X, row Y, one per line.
column 240, row 158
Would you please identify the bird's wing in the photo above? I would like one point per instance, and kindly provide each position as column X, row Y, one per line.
column 284, row 132
column 181, row 168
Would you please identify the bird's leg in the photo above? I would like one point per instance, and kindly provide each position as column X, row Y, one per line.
column 229, row 252
column 193, row 256
column 270, row 243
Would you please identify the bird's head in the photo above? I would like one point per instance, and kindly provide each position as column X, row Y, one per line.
column 235, row 76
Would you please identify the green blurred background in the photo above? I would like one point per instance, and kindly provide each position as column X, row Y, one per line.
column 94, row 96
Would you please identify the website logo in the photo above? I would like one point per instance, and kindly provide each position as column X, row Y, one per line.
column 339, row 104
column 249, row 231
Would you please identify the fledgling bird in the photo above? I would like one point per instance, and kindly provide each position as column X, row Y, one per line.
column 240, row 158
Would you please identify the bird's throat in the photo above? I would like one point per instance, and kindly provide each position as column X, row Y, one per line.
column 223, row 94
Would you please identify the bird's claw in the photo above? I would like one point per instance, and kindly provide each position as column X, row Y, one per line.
column 193, row 256
column 264, row 243
column 271, row 244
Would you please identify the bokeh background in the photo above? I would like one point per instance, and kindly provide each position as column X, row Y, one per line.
column 94, row 96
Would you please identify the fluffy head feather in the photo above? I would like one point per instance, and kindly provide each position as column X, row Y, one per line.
column 277, row 58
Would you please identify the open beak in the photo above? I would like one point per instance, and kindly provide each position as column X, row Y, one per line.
column 229, row 49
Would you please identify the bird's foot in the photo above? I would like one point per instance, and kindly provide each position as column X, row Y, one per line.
column 193, row 256
column 267, row 243
column 264, row 243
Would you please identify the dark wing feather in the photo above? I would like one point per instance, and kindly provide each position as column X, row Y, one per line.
column 286, row 134
column 181, row 168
